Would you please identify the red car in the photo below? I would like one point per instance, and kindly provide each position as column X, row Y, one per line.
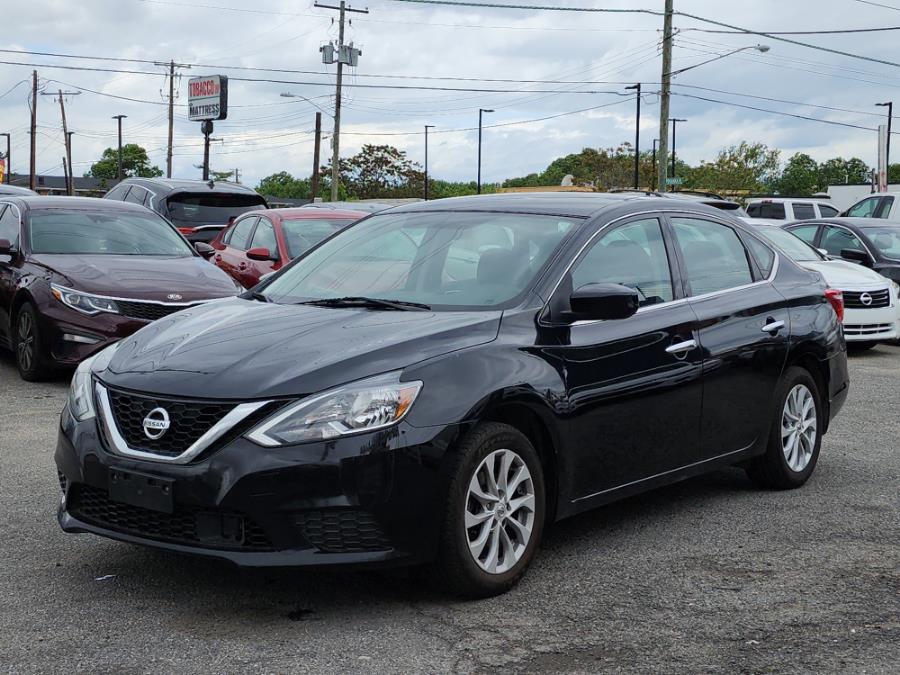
column 260, row 242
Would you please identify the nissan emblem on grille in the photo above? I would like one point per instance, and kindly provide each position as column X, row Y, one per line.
column 865, row 299
column 156, row 423
column 173, row 296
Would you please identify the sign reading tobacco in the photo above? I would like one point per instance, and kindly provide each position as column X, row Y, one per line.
column 208, row 98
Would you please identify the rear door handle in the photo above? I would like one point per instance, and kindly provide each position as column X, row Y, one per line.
column 773, row 327
column 681, row 347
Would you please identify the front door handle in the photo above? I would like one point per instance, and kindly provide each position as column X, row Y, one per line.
column 773, row 327
column 681, row 347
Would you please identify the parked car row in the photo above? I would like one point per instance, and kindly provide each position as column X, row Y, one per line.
column 436, row 383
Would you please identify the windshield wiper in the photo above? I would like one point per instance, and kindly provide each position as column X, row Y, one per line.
column 359, row 301
column 254, row 295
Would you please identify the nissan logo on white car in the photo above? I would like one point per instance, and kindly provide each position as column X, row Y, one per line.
column 156, row 423
column 865, row 299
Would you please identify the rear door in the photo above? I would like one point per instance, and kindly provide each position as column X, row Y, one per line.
column 744, row 330
column 232, row 257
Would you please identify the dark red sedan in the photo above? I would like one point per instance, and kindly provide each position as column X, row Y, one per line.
column 260, row 242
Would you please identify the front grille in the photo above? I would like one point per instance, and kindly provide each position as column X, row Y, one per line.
column 343, row 531
column 188, row 421
column 92, row 505
column 148, row 311
column 853, row 299
column 867, row 328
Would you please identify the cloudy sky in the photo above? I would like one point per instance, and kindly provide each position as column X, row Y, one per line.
column 412, row 47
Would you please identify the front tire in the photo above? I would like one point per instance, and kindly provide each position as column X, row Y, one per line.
column 796, row 435
column 30, row 361
column 495, row 513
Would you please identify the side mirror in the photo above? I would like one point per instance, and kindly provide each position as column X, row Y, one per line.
column 855, row 255
column 204, row 249
column 5, row 247
column 260, row 253
column 594, row 302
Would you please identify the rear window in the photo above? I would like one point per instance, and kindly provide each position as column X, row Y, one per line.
column 211, row 208
column 770, row 210
column 804, row 211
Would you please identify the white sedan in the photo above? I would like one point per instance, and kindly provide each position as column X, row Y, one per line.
column 871, row 301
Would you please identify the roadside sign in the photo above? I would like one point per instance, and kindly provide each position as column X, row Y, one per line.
column 208, row 98
column 674, row 181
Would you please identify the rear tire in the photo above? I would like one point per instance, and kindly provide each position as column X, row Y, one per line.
column 495, row 513
column 26, row 342
column 796, row 434
column 860, row 346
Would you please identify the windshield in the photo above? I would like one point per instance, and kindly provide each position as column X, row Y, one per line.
column 212, row 207
column 448, row 260
column 302, row 235
column 792, row 245
column 885, row 239
column 104, row 233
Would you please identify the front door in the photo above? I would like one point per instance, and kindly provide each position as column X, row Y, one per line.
column 744, row 330
column 634, row 384
column 263, row 237
column 9, row 230
column 232, row 257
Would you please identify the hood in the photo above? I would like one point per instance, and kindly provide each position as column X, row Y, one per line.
column 243, row 349
column 140, row 277
column 845, row 275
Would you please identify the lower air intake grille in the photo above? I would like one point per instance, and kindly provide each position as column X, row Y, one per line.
column 343, row 531
column 148, row 311
column 93, row 506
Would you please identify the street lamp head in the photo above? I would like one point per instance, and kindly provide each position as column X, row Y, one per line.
column 884, row 105
column 676, row 119
column 285, row 94
column 485, row 110
column 762, row 48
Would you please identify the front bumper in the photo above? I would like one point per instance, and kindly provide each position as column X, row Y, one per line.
column 373, row 499
column 871, row 325
column 70, row 337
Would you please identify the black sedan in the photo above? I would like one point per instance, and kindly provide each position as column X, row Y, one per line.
column 435, row 384
column 867, row 241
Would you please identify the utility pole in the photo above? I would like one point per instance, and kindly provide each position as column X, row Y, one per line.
column 890, row 106
column 655, row 141
column 314, row 179
column 34, row 93
column 66, row 175
column 427, row 127
column 665, row 95
column 674, row 120
column 344, row 56
column 481, row 112
column 171, row 65
column 237, row 176
column 69, row 135
column 62, row 111
column 637, row 136
column 119, row 119
column 8, row 163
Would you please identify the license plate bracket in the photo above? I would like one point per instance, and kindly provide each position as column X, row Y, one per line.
column 142, row 490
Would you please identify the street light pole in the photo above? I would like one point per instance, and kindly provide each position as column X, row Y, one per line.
column 119, row 119
column 890, row 106
column 637, row 136
column 760, row 48
column 427, row 127
column 481, row 112
column 674, row 120
column 655, row 141
column 8, row 164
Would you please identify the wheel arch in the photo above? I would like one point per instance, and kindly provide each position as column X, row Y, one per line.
column 809, row 357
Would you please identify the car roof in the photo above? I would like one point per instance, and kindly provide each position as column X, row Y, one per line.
column 169, row 185
column 15, row 190
column 29, row 202
column 300, row 213
column 580, row 204
column 785, row 200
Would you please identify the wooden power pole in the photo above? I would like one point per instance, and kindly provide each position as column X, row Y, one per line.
column 314, row 180
column 34, row 93
column 664, row 97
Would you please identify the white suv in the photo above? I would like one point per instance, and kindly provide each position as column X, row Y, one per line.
column 786, row 210
column 884, row 205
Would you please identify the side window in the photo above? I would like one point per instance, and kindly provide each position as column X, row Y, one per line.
column 633, row 255
column 865, row 208
column 713, row 254
column 835, row 239
column 887, row 204
column 9, row 225
column 828, row 211
column 764, row 256
column 769, row 210
column 806, row 232
column 804, row 211
column 264, row 237
column 136, row 195
column 240, row 233
column 118, row 193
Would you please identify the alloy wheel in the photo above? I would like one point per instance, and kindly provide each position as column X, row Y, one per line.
column 500, row 513
column 25, row 341
column 799, row 428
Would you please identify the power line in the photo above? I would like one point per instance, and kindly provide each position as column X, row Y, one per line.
column 879, row 4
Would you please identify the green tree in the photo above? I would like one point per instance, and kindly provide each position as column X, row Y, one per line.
column 840, row 171
column 221, row 176
column 284, row 185
column 380, row 172
column 439, row 189
column 749, row 167
column 135, row 162
column 801, row 176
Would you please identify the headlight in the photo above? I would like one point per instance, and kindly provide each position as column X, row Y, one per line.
column 81, row 395
column 83, row 302
column 366, row 405
column 896, row 288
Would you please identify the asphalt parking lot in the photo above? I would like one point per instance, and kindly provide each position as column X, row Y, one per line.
column 711, row 575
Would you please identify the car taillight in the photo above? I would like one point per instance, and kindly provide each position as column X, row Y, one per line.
column 836, row 300
column 187, row 230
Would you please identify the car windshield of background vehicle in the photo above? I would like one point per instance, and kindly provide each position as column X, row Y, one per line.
column 104, row 233
column 885, row 239
column 211, row 208
column 792, row 245
column 769, row 210
column 302, row 235
column 448, row 260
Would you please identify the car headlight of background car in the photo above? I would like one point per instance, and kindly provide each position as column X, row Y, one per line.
column 81, row 394
column 367, row 405
column 83, row 302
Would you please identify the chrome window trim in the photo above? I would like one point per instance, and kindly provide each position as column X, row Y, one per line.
column 118, row 444
column 661, row 213
column 138, row 300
